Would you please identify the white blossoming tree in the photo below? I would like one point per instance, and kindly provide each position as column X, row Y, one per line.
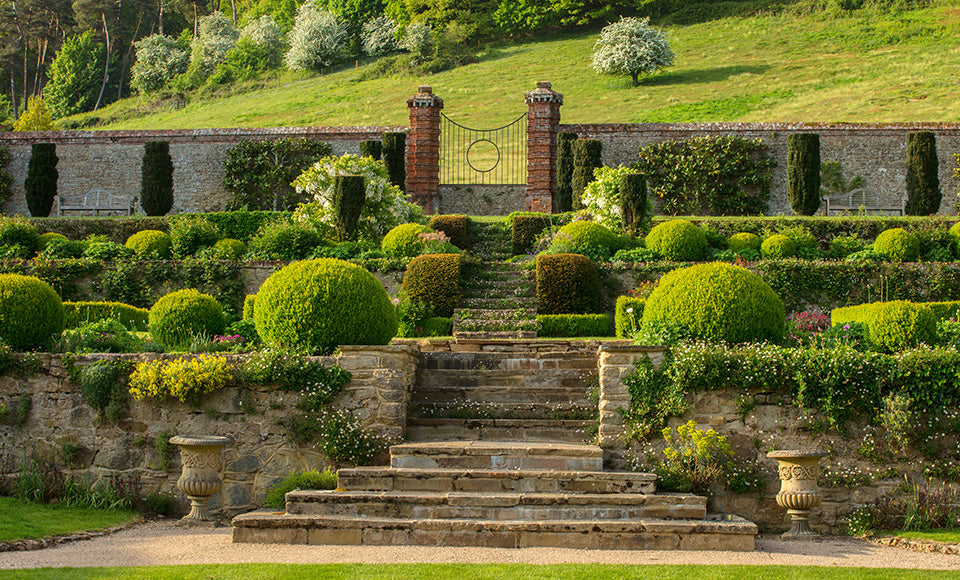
column 385, row 207
column 631, row 47
column 317, row 39
column 158, row 61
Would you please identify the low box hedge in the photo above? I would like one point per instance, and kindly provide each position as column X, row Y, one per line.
column 564, row 325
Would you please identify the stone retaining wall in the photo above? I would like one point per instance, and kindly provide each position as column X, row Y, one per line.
column 260, row 454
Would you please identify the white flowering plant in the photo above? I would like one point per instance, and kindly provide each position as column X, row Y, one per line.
column 601, row 197
column 385, row 206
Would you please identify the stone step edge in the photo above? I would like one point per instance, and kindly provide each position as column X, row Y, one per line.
column 505, row 423
column 385, row 471
column 507, row 448
column 713, row 524
column 497, row 499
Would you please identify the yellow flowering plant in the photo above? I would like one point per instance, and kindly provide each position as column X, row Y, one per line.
column 187, row 380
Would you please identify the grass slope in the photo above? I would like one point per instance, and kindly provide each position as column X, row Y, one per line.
column 786, row 67
column 22, row 520
column 479, row 572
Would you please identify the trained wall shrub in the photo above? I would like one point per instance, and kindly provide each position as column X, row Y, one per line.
column 454, row 226
column 568, row 284
column 564, row 200
column 923, row 174
column 574, row 324
column 19, row 234
column 317, row 305
column 156, row 178
column 179, row 317
column 151, row 244
column 803, row 172
column 30, row 312
column 678, row 241
column 240, row 225
column 525, row 228
column 587, row 238
column 778, row 247
column 79, row 313
column 717, row 301
column 627, row 324
column 586, row 158
column 898, row 245
column 743, row 241
column 395, row 158
column 259, row 174
column 404, row 240
column 40, row 186
column 434, row 280
column 725, row 175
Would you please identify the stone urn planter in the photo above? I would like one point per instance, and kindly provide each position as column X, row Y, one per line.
column 799, row 492
column 200, row 480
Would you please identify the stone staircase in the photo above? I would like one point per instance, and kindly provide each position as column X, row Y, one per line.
column 496, row 494
column 521, row 394
column 497, row 298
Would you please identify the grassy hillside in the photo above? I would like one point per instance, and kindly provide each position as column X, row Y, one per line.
column 785, row 67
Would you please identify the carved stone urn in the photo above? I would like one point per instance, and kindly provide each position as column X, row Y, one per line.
column 200, row 480
column 799, row 492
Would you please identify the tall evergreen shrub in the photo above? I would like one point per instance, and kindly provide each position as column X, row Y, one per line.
column 349, row 194
column 395, row 158
column 586, row 158
column 803, row 172
column 41, row 183
column 923, row 180
column 156, row 178
column 633, row 202
column 565, row 142
column 371, row 148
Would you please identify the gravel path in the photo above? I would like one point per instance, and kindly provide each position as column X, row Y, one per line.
column 160, row 543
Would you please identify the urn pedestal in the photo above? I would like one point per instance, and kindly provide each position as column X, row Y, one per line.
column 799, row 492
column 200, row 480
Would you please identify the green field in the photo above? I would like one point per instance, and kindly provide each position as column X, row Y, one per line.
column 22, row 520
column 865, row 67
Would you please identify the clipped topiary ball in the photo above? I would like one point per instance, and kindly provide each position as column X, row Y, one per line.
column 777, row 247
column 404, row 240
column 30, row 311
column 44, row 239
column 900, row 324
column 249, row 306
column 177, row 318
column 588, row 238
column 228, row 249
column 898, row 245
column 717, row 301
column 317, row 305
column 150, row 244
column 678, row 241
column 743, row 241
column 955, row 231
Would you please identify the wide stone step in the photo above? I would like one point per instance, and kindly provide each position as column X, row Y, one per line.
column 734, row 534
column 497, row 455
column 517, row 313
column 474, row 429
column 499, row 293
column 496, row 334
column 528, row 302
column 495, row 506
column 572, row 376
column 495, row 480
column 552, row 357
column 496, row 325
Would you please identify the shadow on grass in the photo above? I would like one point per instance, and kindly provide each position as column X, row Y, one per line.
column 697, row 76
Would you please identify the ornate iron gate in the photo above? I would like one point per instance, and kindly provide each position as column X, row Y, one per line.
column 483, row 156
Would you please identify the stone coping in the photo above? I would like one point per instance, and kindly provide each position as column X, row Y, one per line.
column 917, row 545
column 790, row 453
column 631, row 348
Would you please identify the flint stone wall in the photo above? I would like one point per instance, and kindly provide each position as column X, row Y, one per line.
column 260, row 454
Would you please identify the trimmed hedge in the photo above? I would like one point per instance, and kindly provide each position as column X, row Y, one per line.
column 434, row 280
column 626, row 323
column 778, row 247
column 317, row 305
column 394, row 151
column 436, row 326
column 371, row 148
column 191, row 234
column 565, row 140
column 454, row 226
column 80, row 313
column 40, row 187
column 678, row 241
column 239, row 225
column 156, row 178
column 586, row 158
column 525, row 228
column 897, row 244
column 151, row 244
column 404, row 240
column 568, row 284
column 228, row 249
column 717, row 301
column 179, row 317
column 899, row 324
column 923, row 174
column 574, row 324
column 249, row 306
column 349, row 196
column 44, row 239
column 30, row 312
column 803, row 172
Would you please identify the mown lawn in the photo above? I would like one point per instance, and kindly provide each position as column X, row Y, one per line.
column 22, row 520
column 787, row 67
column 951, row 536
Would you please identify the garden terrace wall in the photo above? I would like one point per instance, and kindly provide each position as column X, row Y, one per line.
column 111, row 160
column 876, row 151
column 259, row 456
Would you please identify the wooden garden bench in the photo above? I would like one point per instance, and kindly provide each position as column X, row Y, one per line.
column 861, row 201
column 94, row 201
